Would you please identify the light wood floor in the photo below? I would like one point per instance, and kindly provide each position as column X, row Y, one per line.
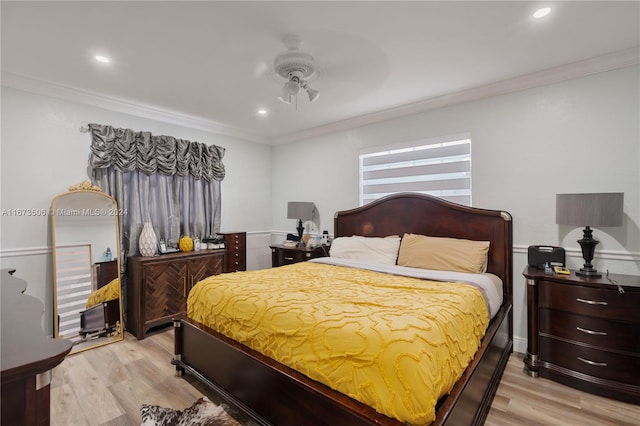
column 107, row 385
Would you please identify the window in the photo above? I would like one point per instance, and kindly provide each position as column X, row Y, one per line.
column 73, row 281
column 439, row 167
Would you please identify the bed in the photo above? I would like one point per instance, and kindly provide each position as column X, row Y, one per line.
column 102, row 314
column 272, row 393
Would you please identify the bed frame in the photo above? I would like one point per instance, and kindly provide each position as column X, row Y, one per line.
column 274, row 394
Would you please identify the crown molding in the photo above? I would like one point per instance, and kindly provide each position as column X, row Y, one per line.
column 608, row 62
column 68, row 93
column 595, row 65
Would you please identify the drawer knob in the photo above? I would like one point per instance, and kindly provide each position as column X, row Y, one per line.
column 595, row 333
column 288, row 258
column 594, row 363
column 591, row 302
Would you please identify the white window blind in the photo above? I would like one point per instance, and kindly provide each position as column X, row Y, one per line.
column 73, row 286
column 439, row 167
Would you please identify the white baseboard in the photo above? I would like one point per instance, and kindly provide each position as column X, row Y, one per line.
column 520, row 344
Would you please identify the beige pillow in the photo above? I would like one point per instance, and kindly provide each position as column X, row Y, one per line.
column 445, row 254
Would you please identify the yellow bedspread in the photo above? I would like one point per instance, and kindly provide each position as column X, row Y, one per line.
column 394, row 343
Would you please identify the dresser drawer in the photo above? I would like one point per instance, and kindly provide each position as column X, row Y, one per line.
column 593, row 362
column 603, row 333
column 236, row 241
column 236, row 261
column 281, row 255
column 595, row 302
column 288, row 257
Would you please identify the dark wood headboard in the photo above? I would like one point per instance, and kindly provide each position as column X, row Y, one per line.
column 414, row 213
column 105, row 272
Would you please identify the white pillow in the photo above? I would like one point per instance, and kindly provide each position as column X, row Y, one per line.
column 374, row 249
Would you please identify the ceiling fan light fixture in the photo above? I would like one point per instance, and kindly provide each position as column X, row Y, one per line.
column 291, row 87
column 313, row 94
column 285, row 97
column 295, row 66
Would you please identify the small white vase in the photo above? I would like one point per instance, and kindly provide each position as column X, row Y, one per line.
column 148, row 241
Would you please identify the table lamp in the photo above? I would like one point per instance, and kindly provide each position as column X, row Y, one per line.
column 302, row 211
column 598, row 209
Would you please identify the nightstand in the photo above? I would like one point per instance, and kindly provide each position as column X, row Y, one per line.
column 585, row 332
column 281, row 255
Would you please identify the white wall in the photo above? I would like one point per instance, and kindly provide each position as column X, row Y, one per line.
column 43, row 153
column 580, row 135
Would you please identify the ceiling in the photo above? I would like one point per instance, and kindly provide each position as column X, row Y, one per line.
column 210, row 63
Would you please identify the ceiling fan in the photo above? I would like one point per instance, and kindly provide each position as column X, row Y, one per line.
column 297, row 67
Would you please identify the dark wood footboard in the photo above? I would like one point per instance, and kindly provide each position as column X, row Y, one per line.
column 267, row 391
column 470, row 399
column 272, row 393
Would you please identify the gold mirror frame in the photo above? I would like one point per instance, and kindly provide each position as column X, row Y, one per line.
column 84, row 223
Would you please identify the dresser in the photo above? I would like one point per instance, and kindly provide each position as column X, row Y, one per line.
column 585, row 332
column 281, row 255
column 158, row 286
column 236, row 245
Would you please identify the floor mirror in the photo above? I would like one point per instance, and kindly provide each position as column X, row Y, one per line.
column 86, row 267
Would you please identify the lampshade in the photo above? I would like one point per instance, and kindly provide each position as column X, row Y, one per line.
column 596, row 210
column 291, row 87
column 285, row 97
column 301, row 210
column 313, row 94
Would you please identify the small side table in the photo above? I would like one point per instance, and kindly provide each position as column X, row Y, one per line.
column 281, row 255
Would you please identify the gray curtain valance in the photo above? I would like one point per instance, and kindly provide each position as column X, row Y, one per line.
column 127, row 150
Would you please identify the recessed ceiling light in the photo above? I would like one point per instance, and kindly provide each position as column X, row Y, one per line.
column 102, row 59
column 541, row 13
column 262, row 112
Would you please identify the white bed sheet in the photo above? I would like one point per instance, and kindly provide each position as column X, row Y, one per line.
column 489, row 285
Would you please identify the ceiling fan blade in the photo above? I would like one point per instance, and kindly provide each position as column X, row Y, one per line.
column 261, row 69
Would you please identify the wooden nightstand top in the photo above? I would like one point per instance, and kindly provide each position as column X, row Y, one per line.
column 303, row 248
column 534, row 273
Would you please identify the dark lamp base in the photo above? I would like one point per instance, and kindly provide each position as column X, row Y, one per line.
column 588, row 246
column 589, row 273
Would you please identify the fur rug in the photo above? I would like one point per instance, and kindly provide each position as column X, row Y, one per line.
column 202, row 413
